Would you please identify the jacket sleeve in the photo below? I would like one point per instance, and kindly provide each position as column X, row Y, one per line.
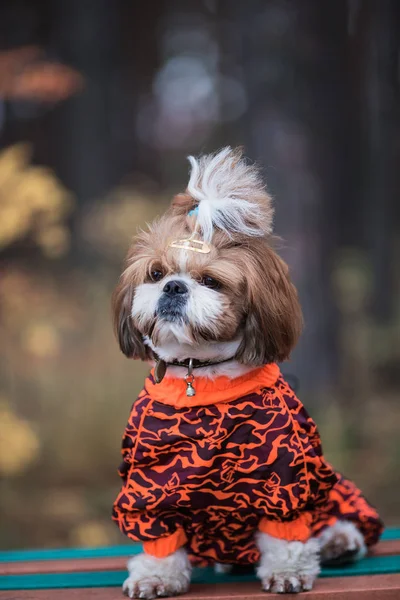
column 297, row 529
column 294, row 524
column 305, row 479
column 161, row 531
column 142, row 525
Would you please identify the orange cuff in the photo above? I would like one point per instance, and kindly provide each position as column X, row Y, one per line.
column 297, row 530
column 164, row 546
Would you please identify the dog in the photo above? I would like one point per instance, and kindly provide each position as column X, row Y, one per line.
column 221, row 462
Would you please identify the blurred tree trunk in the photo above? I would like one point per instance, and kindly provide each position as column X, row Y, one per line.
column 140, row 27
column 377, row 34
column 113, row 44
column 371, row 215
column 294, row 56
column 84, row 34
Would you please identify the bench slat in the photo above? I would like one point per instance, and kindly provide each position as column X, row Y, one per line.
column 374, row 587
column 388, row 548
column 390, row 534
column 89, row 579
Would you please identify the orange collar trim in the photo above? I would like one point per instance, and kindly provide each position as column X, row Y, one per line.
column 172, row 390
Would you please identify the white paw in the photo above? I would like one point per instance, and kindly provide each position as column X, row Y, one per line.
column 341, row 543
column 151, row 577
column 286, row 583
column 287, row 567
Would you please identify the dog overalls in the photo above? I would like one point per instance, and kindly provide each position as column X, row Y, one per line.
column 241, row 456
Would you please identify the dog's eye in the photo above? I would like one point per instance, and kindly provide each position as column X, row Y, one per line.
column 210, row 282
column 156, row 275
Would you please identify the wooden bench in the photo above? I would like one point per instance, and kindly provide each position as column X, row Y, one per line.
column 97, row 574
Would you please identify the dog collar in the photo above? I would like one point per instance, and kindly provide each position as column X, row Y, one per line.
column 222, row 389
column 190, row 364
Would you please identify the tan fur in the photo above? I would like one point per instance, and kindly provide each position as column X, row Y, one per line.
column 182, row 203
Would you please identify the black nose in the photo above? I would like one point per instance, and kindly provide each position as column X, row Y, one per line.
column 175, row 287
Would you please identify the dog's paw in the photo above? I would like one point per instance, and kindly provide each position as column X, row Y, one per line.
column 149, row 587
column 151, row 577
column 287, row 583
column 341, row 543
column 287, row 567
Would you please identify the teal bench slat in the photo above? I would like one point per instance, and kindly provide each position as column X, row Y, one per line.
column 108, row 551
column 374, row 565
column 391, row 533
column 70, row 553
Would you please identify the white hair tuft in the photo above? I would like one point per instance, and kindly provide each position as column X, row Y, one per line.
column 231, row 195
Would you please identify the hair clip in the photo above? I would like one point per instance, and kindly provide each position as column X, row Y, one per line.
column 191, row 244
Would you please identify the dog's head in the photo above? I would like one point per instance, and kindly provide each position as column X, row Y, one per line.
column 206, row 271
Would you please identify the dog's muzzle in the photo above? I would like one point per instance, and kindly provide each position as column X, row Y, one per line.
column 171, row 306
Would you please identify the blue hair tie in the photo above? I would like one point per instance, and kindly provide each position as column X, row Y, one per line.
column 194, row 212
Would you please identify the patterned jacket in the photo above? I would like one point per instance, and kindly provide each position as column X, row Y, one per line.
column 209, row 471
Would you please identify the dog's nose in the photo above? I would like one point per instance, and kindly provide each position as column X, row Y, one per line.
column 171, row 288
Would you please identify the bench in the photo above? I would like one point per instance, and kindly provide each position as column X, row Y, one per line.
column 98, row 573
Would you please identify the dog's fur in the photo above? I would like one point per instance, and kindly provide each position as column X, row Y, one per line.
column 256, row 305
column 247, row 312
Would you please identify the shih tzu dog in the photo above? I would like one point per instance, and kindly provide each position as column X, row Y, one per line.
column 221, row 462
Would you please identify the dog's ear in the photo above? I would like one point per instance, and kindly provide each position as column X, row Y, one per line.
column 129, row 337
column 273, row 319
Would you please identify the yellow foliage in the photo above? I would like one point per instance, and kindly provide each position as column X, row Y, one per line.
column 64, row 504
column 54, row 241
column 38, row 313
column 91, row 533
column 33, row 202
column 15, row 288
column 42, row 340
column 111, row 224
column 19, row 445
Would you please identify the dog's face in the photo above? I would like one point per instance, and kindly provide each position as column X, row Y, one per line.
column 184, row 295
column 237, row 290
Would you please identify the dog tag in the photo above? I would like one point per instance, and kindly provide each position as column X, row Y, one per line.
column 159, row 370
column 190, row 391
column 189, row 378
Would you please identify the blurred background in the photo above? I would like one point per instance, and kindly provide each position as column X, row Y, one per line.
column 100, row 103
